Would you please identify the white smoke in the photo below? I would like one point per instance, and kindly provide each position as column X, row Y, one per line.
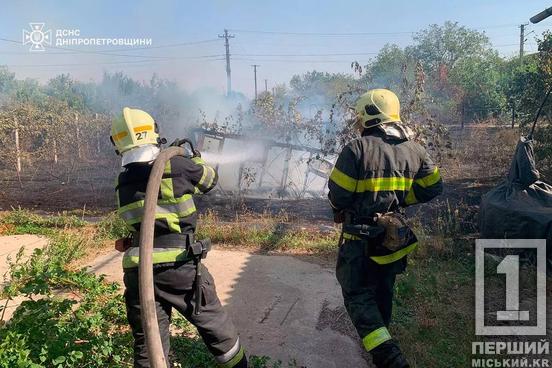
column 251, row 151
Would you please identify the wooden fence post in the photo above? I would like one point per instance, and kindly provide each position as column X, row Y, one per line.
column 513, row 113
column 79, row 151
column 55, row 152
column 17, row 148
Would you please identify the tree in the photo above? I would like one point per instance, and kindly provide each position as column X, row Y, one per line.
column 7, row 80
column 444, row 46
column 319, row 86
column 388, row 68
column 477, row 80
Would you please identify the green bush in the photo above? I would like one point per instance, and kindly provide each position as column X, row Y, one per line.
column 112, row 226
column 70, row 319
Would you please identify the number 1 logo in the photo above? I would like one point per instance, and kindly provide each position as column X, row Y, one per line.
column 510, row 267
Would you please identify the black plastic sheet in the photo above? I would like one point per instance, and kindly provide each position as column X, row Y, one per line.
column 520, row 207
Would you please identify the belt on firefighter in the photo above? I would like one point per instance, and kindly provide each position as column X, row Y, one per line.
column 195, row 251
column 374, row 230
column 361, row 231
column 173, row 240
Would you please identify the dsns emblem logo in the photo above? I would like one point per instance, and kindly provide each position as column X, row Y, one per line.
column 37, row 37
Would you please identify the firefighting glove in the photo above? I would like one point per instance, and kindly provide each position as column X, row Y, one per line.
column 179, row 142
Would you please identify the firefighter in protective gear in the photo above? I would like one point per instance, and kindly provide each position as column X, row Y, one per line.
column 374, row 178
column 135, row 136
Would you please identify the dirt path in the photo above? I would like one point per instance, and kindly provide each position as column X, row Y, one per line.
column 279, row 304
column 283, row 307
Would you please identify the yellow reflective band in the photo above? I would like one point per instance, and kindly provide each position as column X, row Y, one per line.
column 390, row 258
column 170, row 209
column 235, row 360
column 411, row 198
column 198, row 160
column 207, row 178
column 167, row 169
column 166, row 188
column 376, row 338
column 384, row 184
column 130, row 206
column 430, row 179
column 171, row 218
column 343, row 180
column 165, row 256
column 370, row 184
column 143, row 128
column 120, row 135
column 350, row 236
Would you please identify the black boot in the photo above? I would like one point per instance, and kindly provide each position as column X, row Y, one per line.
column 397, row 362
column 388, row 355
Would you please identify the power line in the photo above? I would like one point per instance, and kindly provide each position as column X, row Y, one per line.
column 105, row 53
column 355, row 33
column 302, row 55
column 317, row 33
column 105, row 63
column 180, row 44
column 292, row 60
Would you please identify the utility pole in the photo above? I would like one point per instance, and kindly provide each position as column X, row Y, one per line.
column 255, row 73
column 521, row 41
column 266, row 85
column 226, row 37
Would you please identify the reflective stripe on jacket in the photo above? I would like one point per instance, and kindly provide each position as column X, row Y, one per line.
column 378, row 174
column 175, row 212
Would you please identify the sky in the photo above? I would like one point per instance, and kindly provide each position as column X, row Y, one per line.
column 284, row 37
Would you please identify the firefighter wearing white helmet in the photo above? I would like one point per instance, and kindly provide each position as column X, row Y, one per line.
column 136, row 138
column 374, row 178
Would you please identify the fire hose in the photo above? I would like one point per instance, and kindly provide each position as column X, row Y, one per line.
column 145, row 270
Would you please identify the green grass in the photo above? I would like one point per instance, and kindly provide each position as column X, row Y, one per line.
column 267, row 233
column 22, row 221
column 434, row 311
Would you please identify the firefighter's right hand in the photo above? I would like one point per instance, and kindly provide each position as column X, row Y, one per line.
column 122, row 244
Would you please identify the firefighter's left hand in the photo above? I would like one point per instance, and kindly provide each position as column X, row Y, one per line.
column 178, row 142
column 339, row 217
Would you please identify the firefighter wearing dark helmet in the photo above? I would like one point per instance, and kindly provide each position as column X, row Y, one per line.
column 135, row 136
column 374, row 178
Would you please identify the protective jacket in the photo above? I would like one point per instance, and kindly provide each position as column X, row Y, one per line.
column 176, row 211
column 379, row 173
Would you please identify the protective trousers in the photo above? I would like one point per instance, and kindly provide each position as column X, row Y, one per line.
column 367, row 289
column 174, row 288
